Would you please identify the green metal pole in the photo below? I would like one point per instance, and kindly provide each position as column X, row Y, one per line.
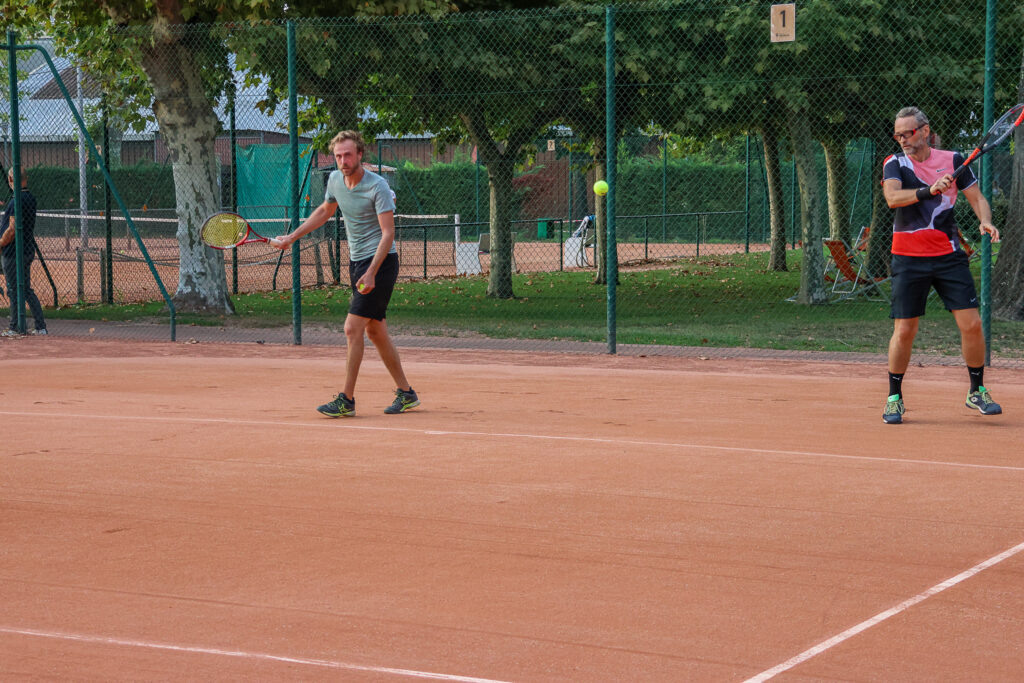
column 664, row 190
column 17, row 298
column 569, row 212
column 986, row 177
column 856, row 187
column 746, row 198
column 293, row 179
column 792, row 204
column 107, row 227
column 612, row 269
column 233, row 141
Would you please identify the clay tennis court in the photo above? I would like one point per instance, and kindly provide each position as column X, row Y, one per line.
column 180, row 512
column 263, row 268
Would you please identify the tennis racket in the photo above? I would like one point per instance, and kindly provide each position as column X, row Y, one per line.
column 226, row 230
column 999, row 131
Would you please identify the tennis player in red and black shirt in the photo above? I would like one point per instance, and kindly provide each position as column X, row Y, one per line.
column 918, row 183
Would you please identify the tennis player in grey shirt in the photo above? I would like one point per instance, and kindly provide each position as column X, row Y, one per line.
column 368, row 207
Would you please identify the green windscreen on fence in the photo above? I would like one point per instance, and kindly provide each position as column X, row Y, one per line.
column 262, row 178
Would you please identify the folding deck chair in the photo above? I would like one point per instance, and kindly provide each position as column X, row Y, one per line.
column 849, row 272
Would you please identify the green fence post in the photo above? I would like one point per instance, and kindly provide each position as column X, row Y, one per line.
column 792, row 204
column 293, row 179
column 108, row 267
column 232, row 141
column 986, row 177
column 569, row 212
column 746, row 198
column 17, row 298
column 664, row 186
column 612, row 269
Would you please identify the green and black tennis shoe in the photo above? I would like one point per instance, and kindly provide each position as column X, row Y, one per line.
column 404, row 400
column 982, row 401
column 341, row 406
column 894, row 410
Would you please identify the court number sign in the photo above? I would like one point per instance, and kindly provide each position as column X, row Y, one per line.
column 783, row 23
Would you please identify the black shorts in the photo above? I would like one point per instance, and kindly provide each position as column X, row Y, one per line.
column 373, row 304
column 914, row 276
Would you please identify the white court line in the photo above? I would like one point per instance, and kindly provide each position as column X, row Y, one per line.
column 409, row 673
column 882, row 616
column 325, row 424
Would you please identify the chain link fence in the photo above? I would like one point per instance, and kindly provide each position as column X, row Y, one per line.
column 748, row 208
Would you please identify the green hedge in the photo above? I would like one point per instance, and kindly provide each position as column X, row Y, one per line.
column 145, row 184
column 441, row 188
column 448, row 188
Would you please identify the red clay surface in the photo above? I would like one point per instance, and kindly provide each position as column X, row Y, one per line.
column 180, row 512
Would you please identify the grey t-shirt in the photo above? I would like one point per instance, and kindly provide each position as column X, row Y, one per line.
column 360, row 207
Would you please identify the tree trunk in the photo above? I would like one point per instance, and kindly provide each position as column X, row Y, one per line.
column 838, row 205
column 500, row 164
column 115, row 138
column 499, row 283
column 812, row 281
column 776, row 202
column 189, row 128
column 1008, row 273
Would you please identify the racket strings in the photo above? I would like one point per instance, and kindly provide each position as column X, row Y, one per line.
column 224, row 230
column 1006, row 123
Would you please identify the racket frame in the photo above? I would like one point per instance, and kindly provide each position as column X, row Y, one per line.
column 250, row 234
column 987, row 145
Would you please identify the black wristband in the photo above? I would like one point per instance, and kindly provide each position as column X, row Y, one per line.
column 924, row 193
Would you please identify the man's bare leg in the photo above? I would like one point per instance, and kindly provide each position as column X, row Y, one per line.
column 901, row 344
column 355, row 327
column 972, row 336
column 377, row 331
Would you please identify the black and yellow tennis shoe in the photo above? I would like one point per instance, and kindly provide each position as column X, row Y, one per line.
column 894, row 410
column 404, row 400
column 341, row 406
column 982, row 401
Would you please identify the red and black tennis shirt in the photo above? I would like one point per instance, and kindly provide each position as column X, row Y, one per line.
column 926, row 228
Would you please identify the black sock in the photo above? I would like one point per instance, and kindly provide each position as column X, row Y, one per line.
column 896, row 384
column 977, row 377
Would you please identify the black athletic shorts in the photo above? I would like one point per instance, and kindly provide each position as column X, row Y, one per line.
column 914, row 276
column 373, row 304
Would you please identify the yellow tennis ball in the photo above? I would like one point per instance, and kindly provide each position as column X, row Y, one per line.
column 600, row 188
column 361, row 286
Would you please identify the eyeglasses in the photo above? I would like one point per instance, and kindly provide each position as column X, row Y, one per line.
column 900, row 137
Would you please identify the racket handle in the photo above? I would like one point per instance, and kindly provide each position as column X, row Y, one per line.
column 974, row 155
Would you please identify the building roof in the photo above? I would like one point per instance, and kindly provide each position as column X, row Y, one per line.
column 46, row 116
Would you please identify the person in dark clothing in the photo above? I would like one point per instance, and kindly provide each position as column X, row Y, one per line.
column 8, row 252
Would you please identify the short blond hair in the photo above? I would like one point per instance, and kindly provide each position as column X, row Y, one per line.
column 352, row 135
column 24, row 175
